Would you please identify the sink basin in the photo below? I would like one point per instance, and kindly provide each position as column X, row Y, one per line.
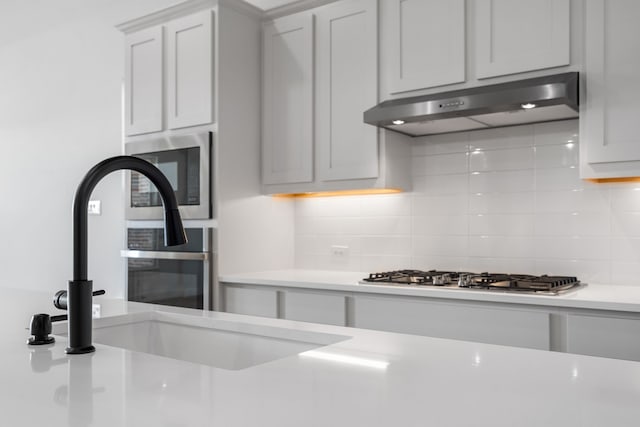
column 219, row 343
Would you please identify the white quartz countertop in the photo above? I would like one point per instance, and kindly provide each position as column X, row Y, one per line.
column 592, row 296
column 416, row 381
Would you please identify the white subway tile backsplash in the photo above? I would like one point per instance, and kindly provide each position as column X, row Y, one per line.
column 501, row 225
column 498, row 160
column 503, row 200
column 556, row 156
column 501, row 247
column 439, row 164
column 440, row 225
column 502, row 182
column 440, row 144
column 497, row 138
column 573, row 224
column 501, row 203
column 554, row 133
column 432, row 185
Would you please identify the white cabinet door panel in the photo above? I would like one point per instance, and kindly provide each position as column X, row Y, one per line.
column 347, row 82
column 427, row 46
column 189, row 75
column 514, row 36
column 253, row 302
column 143, row 81
column 315, row 307
column 288, row 100
column 516, row 328
column 609, row 136
column 604, row 336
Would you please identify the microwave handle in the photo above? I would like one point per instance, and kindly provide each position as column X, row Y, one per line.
column 183, row 256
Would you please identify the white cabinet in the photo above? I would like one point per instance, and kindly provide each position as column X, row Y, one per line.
column 317, row 307
column 320, row 75
column 513, row 327
column 287, row 134
column 514, row 36
column 143, row 81
column 347, row 81
column 190, row 70
column 186, row 98
column 425, row 43
column 609, row 142
column 612, row 337
column 250, row 301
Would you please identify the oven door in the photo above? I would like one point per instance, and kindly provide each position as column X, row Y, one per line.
column 186, row 162
column 181, row 276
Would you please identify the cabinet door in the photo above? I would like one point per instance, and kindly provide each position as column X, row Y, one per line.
column 609, row 142
column 514, row 36
column 189, row 74
column 253, row 302
column 143, row 81
column 427, row 43
column 604, row 336
column 315, row 307
column 287, row 137
column 347, row 81
column 516, row 328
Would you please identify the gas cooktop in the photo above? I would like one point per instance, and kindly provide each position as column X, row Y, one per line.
column 522, row 283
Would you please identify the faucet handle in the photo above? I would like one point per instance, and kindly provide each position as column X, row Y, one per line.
column 60, row 298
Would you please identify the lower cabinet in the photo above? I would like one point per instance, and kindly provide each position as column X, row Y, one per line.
column 580, row 331
column 613, row 337
column 460, row 321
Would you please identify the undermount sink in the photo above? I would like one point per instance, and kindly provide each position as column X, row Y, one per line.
column 219, row 343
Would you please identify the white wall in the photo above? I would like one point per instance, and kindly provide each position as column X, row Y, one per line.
column 61, row 72
column 501, row 200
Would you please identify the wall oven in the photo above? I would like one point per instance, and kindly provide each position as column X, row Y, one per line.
column 182, row 276
column 186, row 161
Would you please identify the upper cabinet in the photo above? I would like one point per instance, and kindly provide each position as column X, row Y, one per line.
column 609, row 143
column 320, row 75
column 186, row 98
column 287, row 130
column 347, row 84
column 514, row 36
column 190, row 70
column 426, row 43
column 143, row 74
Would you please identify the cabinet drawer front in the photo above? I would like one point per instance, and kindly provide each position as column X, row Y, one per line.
column 189, row 75
column 315, row 307
column 604, row 336
column 143, row 81
column 516, row 328
column 253, row 302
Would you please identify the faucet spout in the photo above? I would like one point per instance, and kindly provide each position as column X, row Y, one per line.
column 80, row 289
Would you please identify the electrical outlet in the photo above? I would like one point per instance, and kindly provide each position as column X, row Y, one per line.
column 94, row 207
column 339, row 251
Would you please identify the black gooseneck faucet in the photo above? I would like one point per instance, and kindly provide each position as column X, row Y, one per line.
column 79, row 294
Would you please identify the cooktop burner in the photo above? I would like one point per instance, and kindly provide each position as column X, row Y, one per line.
column 483, row 281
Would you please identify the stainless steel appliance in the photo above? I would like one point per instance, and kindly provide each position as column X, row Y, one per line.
column 533, row 100
column 182, row 276
column 186, row 162
column 519, row 283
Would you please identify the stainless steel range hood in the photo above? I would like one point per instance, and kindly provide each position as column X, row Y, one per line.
column 534, row 100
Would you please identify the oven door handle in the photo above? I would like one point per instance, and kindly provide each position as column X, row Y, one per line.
column 183, row 256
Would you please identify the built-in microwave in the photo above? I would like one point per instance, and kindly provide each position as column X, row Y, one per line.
column 186, row 161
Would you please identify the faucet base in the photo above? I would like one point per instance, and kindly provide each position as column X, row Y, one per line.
column 80, row 350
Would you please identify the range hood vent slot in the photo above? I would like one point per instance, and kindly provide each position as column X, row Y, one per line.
column 547, row 98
